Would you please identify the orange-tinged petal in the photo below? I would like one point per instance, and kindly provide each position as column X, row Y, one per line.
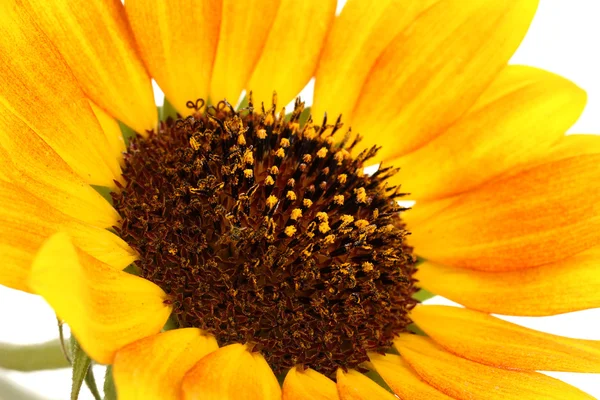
column 36, row 84
column 517, row 119
column 112, row 131
column 231, row 373
column 308, row 384
column 571, row 284
column 357, row 37
column 423, row 210
column 292, row 50
column 244, row 29
column 26, row 221
column 403, row 380
column 178, row 41
column 538, row 216
column 153, row 368
column 464, row 379
column 96, row 41
column 353, row 385
column 27, row 161
column 105, row 309
column 434, row 71
column 570, row 146
column 488, row 340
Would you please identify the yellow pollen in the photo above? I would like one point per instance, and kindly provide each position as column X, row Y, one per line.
column 291, row 182
column 322, row 216
column 269, row 180
column 342, row 178
column 241, row 140
column 329, row 239
column 307, row 158
column 307, row 203
column 294, row 126
column 285, row 143
column 330, row 140
column 361, row 223
column 324, row 227
column 339, row 199
column 367, row 266
column 248, row 157
column 280, row 153
column 290, row 195
column 274, row 170
column 261, row 133
column 387, row 228
column 296, row 213
column 347, row 219
column 361, row 195
column 271, row 201
column 248, row 173
column 309, row 132
column 322, row 152
column 194, row 143
column 290, row 231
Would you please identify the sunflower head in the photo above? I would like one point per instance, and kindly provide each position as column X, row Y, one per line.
column 267, row 232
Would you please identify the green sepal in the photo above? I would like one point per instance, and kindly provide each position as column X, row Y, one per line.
column 81, row 364
column 110, row 392
column 375, row 377
column 423, row 295
column 167, row 110
column 416, row 330
column 104, row 192
column 127, row 132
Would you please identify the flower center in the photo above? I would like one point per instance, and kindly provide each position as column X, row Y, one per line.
column 267, row 232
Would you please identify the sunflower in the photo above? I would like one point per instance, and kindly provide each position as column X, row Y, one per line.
column 257, row 235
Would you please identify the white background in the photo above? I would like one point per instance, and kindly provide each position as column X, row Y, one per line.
column 564, row 38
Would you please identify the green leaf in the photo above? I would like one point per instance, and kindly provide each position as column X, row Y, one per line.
column 12, row 391
column 110, row 392
column 167, row 110
column 81, row 367
column 32, row 357
column 423, row 295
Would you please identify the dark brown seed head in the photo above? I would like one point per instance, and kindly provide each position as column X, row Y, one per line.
column 267, row 232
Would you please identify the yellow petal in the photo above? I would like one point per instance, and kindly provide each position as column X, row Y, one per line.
column 570, row 146
column 26, row 221
column 517, row 119
column 308, row 385
column 433, row 72
column 94, row 38
column 244, row 29
column 357, row 38
column 31, row 164
column 535, row 217
column 571, row 284
column 231, row 373
column 403, row 380
column 488, row 340
column 36, row 85
column 464, row 379
column 153, row 368
column 112, row 131
column 292, row 50
column 178, row 41
column 353, row 385
column 105, row 309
